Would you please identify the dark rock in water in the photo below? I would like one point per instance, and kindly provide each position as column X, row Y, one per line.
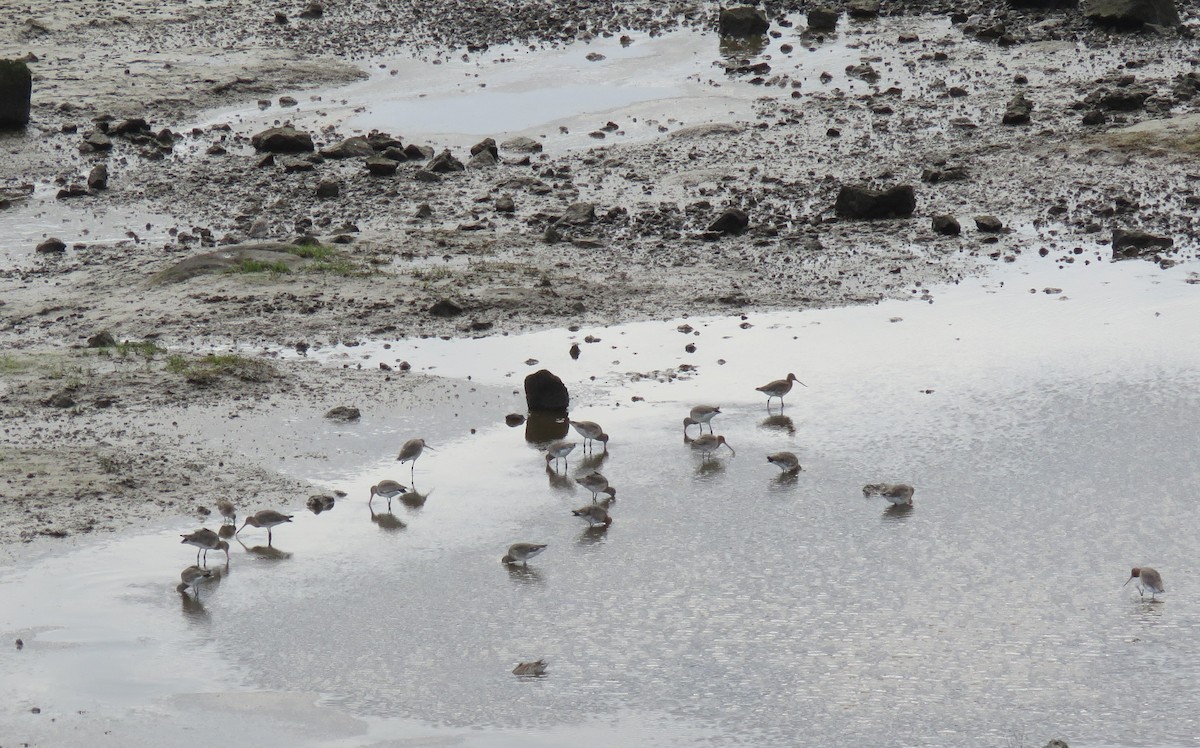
column 313, row 10
column 380, row 166
column 132, row 126
column 743, row 21
column 1121, row 100
column 945, row 174
column 522, row 144
column 946, row 225
column 1018, row 111
column 514, row 419
column 863, row 9
column 16, row 91
column 545, row 391
column 822, row 19
column 487, row 144
column 988, row 224
column 74, row 190
column 578, row 214
column 344, row 413
column 52, row 246
column 445, row 308
column 102, row 339
column 732, row 221
column 356, row 147
column 328, row 188
column 418, row 152
column 320, row 503
column 98, row 177
column 444, row 163
column 1131, row 13
column 394, row 153
column 863, row 202
column 381, row 141
column 285, row 139
column 97, row 141
column 1129, row 244
column 574, row 352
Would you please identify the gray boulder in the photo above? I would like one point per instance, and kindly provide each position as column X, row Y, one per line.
column 946, row 225
column 863, row 8
column 731, row 221
column 822, row 19
column 578, row 214
column 743, row 21
column 444, row 163
column 16, row 89
column 286, row 139
column 356, row 147
column 862, row 202
column 522, row 144
column 1131, row 13
column 1130, row 244
column 98, row 177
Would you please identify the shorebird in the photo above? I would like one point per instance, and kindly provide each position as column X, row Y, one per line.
column 411, row 450
column 779, row 388
column 899, row 494
column 559, row 451
column 706, row 444
column 267, row 518
column 206, row 540
column 594, row 514
column 597, row 484
column 700, row 415
column 389, row 489
column 190, row 576
column 530, row 669
column 1149, row 580
column 228, row 511
column 785, row 461
column 520, row 553
column 591, row 432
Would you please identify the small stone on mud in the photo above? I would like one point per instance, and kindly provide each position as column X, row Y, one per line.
column 445, row 308
column 344, row 413
column 52, row 245
column 328, row 188
column 946, row 225
column 102, row 339
column 20, row 644
column 574, row 351
column 514, row 419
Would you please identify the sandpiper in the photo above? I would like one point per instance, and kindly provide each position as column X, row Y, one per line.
column 779, row 388
column 700, row 415
column 591, row 432
column 594, row 514
column 206, row 540
column 228, row 511
column 597, row 484
column 559, row 451
column 520, row 553
column 785, row 461
column 267, row 518
column 530, row 669
column 1149, row 580
column 411, row 450
column 190, row 576
column 706, row 444
column 389, row 489
column 899, row 494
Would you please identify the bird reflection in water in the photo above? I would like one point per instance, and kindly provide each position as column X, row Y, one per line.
column 413, row 499
column 786, row 478
column 897, row 512
column 523, row 574
column 709, row 466
column 193, row 608
column 560, row 481
column 320, row 503
column 591, row 462
column 265, row 552
column 593, row 535
column 778, row 422
column 386, row 520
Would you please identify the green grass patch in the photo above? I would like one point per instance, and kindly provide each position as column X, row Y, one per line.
column 208, row 369
column 10, row 364
column 336, row 266
column 312, row 251
column 258, row 266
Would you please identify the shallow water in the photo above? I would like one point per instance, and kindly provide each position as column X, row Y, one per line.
column 1051, row 438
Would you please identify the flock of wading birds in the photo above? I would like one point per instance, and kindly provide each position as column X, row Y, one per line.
column 595, row 514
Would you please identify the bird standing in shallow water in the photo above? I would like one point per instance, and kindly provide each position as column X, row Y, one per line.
column 520, row 553
column 899, row 494
column 700, row 415
column 706, row 444
column 190, row 576
column 206, row 540
column 1149, row 580
column 594, row 514
column 785, row 461
column 597, row 484
column 411, row 450
column 558, row 451
column 529, row 669
column 591, row 432
column 267, row 518
column 228, row 511
column 389, row 489
column 779, row 388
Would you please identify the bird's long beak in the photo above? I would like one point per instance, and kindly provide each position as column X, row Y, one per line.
column 802, row 384
column 243, row 527
column 1127, row 581
column 730, row 449
column 428, row 446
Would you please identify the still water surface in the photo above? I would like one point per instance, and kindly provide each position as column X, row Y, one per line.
column 1052, row 439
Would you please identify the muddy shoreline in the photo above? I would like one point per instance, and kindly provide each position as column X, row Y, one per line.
column 96, row 438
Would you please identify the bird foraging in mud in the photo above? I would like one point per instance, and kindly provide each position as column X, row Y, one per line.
column 779, row 388
column 899, row 494
column 597, row 484
column 707, row 444
column 591, row 432
column 558, row 451
column 520, row 553
column 206, row 540
column 190, row 576
column 594, row 514
column 785, row 461
column 389, row 489
column 267, row 518
column 699, row 416
column 1149, row 580
column 411, row 450
column 530, row 669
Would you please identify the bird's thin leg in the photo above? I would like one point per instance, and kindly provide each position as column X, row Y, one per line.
column 269, row 539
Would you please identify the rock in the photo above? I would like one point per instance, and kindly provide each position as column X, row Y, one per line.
column 74, row 190
column 1131, row 13
column 381, row 141
column 61, row 399
column 945, row 174
column 988, row 224
column 522, row 144
column 381, row 166
column 1018, row 111
column 1128, row 244
column 863, row 9
column 445, row 308
column 344, row 413
column 742, row 21
column 482, row 160
column 514, row 419
column 444, row 163
column 418, row 152
column 1057, row 744
column 487, row 144
column 545, row 391
column 578, row 214
column 356, row 147
column 1123, row 99
column 131, row 126
column 16, row 91
column 423, row 211
column 505, row 204
column 946, row 225
column 52, row 246
column 422, row 175
column 102, row 339
column 293, row 165
column 328, row 188
column 863, row 202
column 732, row 221
column 286, row 139
column 822, row 19
column 97, row 141
column 312, row 10
column 395, row 154
column 320, row 503
column 1095, row 117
